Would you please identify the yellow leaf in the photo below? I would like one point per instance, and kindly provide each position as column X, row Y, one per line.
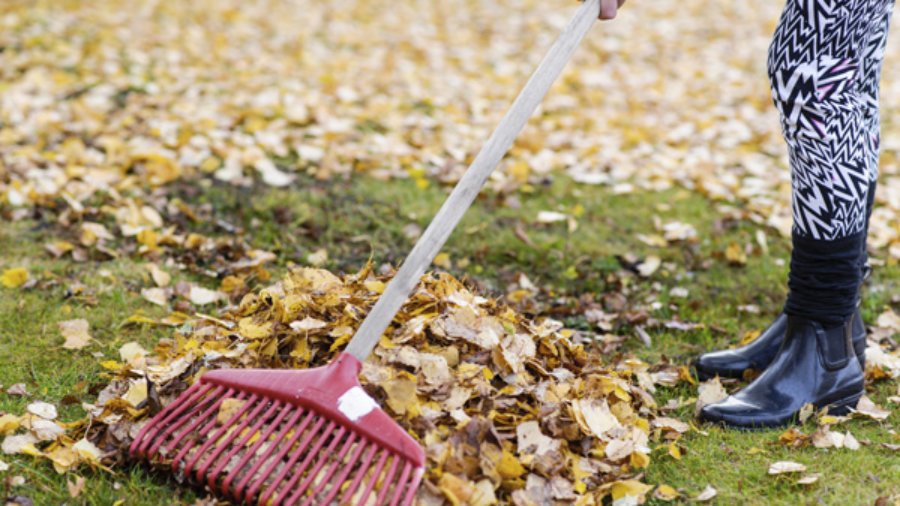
column 675, row 451
column 666, row 493
column 254, row 330
column 631, row 488
column 59, row 248
column 735, row 254
column 137, row 392
column 87, row 451
column 112, row 365
column 14, row 278
column 442, row 260
column 63, row 458
column 374, row 286
column 8, row 423
column 509, row 466
column 228, row 409
column 749, row 337
column 458, row 491
column 149, row 238
column 401, row 395
column 139, row 319
column 640, row 460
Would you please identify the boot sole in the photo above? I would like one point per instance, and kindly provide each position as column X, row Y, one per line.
column 842, row 407
column 837, row 408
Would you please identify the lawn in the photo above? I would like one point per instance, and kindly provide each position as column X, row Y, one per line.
column 500, row 239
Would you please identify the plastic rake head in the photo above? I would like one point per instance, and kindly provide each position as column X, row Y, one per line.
column 311, row 437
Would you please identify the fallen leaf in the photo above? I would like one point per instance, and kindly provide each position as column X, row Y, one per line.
column 551, row 217
column 20, row 443
column 87, row 451
column 158, row 296
column 595, row 416
column 629, row 488
column 228, row 408
column 666, row 493
column 14, row 278
column 307, row 324
column 42, row 409
column 17, row 389
column 709, row 392
column 132, row 353
column 202, row 296
column 160, row 277
column 866, row 407
column 76, row 333
column 530, row 439
column 649, row 266
column 8, row 423
column 75, row 487
column 808, row 479
column 786, row 466
column 707, row 494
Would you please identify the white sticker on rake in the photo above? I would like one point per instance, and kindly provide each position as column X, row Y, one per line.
column 356, row 403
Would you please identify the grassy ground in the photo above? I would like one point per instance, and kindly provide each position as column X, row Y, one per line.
column 363, row 217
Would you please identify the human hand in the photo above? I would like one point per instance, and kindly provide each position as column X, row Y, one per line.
column 608, row 8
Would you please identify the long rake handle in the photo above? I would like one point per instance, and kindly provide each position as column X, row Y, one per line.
column 470, row 185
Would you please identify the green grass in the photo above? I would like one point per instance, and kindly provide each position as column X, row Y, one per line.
column 362, row 218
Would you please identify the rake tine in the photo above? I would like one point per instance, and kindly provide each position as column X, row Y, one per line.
column 386, row 482
column 334, row 467
column 401, row 484
column 209, row 416
column 313, row 472
column 336, row 489
column 280, row 455
column 373, row 480
column 229, row 437
column 144, row 437
column 226, row 483
column 186, row 419
column 348, row 494
column 301, row 450
column 273, row 408
column 413, row 487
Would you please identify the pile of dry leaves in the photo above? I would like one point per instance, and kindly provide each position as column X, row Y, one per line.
column 507, row 408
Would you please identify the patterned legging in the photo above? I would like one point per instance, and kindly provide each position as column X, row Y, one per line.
column 824, row 66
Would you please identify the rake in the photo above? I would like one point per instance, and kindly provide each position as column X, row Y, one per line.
column 315, row 437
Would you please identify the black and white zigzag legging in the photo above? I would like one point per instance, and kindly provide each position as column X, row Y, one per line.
column 824, row 65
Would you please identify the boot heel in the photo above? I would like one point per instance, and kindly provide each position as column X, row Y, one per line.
column 842, row 407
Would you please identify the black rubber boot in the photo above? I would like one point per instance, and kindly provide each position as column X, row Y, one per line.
column 758, row 353
column 813, row 365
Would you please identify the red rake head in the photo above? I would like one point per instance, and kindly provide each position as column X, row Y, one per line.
column 310, row 437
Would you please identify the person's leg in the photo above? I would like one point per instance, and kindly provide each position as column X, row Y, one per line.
column 826, row 124
column 815, row 68
column 869, row 88
column 816, row 71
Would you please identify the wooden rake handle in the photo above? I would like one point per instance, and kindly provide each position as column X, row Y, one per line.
column 467, row 188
